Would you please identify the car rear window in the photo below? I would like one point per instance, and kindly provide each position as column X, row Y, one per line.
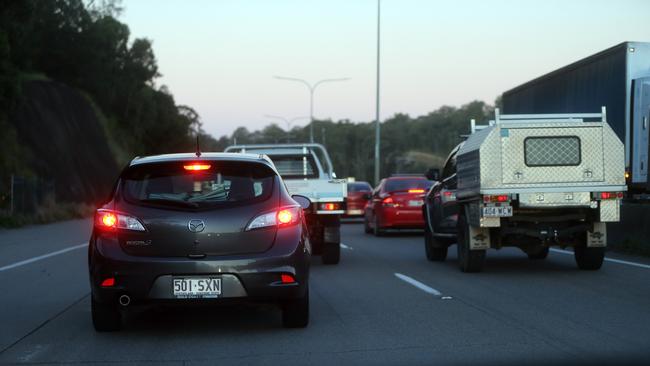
column 222, row 184
column 395, row 185
column 359, row 187
column 295, row 166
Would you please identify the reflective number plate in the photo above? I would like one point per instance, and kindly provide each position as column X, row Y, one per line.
column 196, row 288
column 415, row 203
column 497, row 211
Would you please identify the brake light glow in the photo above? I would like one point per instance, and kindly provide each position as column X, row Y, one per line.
column 197, row 167
column 111, row 220
column 416, row 190
column 284, row 217
column 108, row 282
column 496, row 198
column 388, row 202
column 287, row 278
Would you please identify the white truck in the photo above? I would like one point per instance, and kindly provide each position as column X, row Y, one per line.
column 307, row 170
column 532, row 181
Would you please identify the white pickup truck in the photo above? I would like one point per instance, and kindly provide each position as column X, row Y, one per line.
column 307, row 170
column 532, row 181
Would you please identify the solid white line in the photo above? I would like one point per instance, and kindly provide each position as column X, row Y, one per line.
column 634, row 264
column 346, row 247
column 41, row 257
column 418, row 284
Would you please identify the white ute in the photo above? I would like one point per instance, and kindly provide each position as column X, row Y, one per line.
column 307, row 170
column 532, row 181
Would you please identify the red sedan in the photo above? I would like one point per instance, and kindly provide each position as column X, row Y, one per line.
column 358, row 194
column 396, row 203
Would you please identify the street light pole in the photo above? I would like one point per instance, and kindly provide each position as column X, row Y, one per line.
column 288, row 121
column 312, row 89
column 377, row 125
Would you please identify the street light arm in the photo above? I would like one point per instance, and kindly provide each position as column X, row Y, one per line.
column 327, row 81
column 295, row 79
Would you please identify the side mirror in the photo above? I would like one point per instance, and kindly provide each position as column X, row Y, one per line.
column 433, row 174
column 303, row 201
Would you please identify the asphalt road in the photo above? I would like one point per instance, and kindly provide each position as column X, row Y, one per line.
column 384, row 304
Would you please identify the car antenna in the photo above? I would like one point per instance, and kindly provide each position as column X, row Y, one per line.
column 198, row 147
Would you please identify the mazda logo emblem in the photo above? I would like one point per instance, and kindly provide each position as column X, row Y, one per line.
column 196, row 226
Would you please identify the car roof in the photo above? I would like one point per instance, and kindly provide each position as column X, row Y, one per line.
column 207, row 156
column 400, row 177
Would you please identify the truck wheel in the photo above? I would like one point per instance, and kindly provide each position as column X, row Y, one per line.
column 331, row 253
column 106, row 317
column 295, row 312
column 468, row 260
column 587, row 258
column 434, row 250
column 538, row 253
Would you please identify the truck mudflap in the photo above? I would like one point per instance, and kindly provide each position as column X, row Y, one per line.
column 597, row 237
column 479, row 238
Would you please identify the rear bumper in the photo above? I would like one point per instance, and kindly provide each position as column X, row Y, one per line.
column 247, row 278
column 396, row 218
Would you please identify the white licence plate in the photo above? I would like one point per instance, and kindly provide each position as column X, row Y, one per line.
column 497, row 211
column 415, row 203
column 355, row 212
column 186, row 288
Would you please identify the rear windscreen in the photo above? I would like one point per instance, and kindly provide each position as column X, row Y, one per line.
column 395, row 185
column 359, row 187
column 217, row 184
column 295, row 166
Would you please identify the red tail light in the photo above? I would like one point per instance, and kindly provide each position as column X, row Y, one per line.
column 496, row 198
column 108, row 282
column 112, row 220
column 609, row 195
column 389, row 202
column 196, row 167
column 416, row 190
column 284, row 217
column 287, row 278
column 330, row 206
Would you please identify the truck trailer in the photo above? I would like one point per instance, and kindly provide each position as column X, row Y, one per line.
column 617, row 78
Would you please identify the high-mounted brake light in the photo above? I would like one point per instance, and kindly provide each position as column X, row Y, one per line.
column 418, row 190
column 111, row 220
column 196, row 167
column 284, row 217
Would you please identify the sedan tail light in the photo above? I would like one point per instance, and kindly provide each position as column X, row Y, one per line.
column 389, row 202
column 112, row 220
column 283, row 217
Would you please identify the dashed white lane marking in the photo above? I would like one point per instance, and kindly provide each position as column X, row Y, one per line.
column 343, row 246
column 634, row 264
column 41, row 257
column 418, row 284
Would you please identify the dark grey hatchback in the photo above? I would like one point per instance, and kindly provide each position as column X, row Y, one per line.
column 189, row 228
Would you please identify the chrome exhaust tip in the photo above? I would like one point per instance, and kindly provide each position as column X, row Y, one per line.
column 124, row 300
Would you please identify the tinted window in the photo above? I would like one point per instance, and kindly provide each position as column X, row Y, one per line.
column 295, row 166
column 394, row 185
column 224, row 183
column 359, row 187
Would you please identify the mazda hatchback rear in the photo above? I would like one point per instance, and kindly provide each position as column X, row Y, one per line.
column 208, row 229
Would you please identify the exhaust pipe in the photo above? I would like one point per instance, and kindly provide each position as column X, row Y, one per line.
column 124, row 300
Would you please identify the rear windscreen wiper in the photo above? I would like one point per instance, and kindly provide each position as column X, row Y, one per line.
column 170, row 202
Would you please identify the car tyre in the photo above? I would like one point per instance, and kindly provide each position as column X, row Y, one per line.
column 106, row 317
column 538, row 253
column 434, row 251
column 590, row 259
column 366, row 226
column 378, row 231
column 295, row 312
column 468, row 260
column 331, row 253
